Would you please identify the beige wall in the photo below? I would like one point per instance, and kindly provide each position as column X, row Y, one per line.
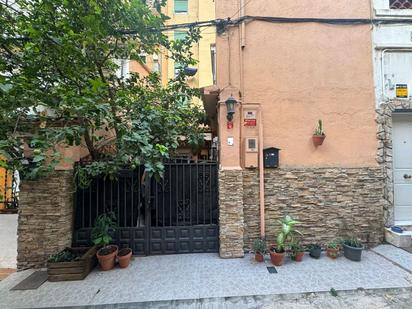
column 300, row 73
column 199, row 10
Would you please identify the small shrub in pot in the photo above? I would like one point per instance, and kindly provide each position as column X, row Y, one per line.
column 259, row 247
column 332, row 249
column 315, row 250
column 352, row 249
column 103, row 225
column 296, row 251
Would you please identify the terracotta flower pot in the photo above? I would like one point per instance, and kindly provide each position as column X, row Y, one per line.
column 107, row 257
column 332, row 252
column 299, row 256
column 259, row 257
column 123, row 257
column 318, row 139
column 277, row 258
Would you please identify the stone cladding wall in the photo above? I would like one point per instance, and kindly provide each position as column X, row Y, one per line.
column 231, row 224
column 45, row 218
column 330, row 202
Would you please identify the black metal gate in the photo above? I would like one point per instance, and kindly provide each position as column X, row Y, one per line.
column 178, row 214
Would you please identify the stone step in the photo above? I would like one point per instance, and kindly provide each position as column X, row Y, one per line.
column 400, row 240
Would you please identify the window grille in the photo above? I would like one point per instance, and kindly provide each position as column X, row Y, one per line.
column 400, row 4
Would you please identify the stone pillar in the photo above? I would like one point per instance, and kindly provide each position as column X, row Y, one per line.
column 45, row 218
column 231, row 213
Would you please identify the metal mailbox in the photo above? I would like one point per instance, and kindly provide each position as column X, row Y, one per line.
column 271, row 157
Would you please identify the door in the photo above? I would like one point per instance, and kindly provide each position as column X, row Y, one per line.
column 402, row 167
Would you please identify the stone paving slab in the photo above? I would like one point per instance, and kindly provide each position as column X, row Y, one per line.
column 397, row 255
column 199, row 276
column 8, row 240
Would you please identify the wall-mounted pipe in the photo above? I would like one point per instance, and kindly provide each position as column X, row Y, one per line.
column 261, row 178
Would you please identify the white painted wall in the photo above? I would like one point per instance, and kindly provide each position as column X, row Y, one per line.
column 392, row 52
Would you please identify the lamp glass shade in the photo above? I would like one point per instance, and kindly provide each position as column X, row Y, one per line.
column 230, row 105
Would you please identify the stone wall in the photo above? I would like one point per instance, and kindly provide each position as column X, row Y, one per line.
column 45, row 218
column 330, row 203
column 231, row 213
column 384, row 155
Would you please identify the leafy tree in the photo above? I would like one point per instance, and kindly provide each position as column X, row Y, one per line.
column 59, row 86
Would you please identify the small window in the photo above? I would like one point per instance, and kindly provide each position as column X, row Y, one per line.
column 179, row 35
column 400, row 4
column 181, row 6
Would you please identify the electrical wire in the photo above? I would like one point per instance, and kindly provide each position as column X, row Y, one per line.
column 242, row 7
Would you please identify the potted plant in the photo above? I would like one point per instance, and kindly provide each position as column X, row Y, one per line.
column 332, row 249
column 315, row 250
column 259, row 247
column 352, row 249
column 277, row 252
column 106, row 255
column 319, row 135
column 123, row 257
column 296, row 251
column 71, row 264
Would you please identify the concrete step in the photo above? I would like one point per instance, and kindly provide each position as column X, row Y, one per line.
column 400, row 240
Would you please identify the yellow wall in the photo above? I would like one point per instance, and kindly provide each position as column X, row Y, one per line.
column 199, row 10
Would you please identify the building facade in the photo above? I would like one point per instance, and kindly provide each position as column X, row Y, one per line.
column 392, row 50
column 285, row 77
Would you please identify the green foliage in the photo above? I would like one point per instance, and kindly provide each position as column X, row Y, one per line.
column 352, row 242
column 59, row 86
column 333, row 292
column 294, row 249
column 103, row 225
column 332, row 245
column 319, row 129
column 287, row 231
column 259, row 246
column 63, row 256
column 313, row 247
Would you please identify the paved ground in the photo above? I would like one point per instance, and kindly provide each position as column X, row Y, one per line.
column 399, row 256
column 8, row 240
column 205, row 276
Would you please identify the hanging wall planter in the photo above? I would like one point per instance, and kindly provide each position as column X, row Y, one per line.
column 319, row 135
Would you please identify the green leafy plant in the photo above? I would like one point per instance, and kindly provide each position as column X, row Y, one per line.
column 294, row 249
column 63, row 256
column 103, row 225
column 259, row 246
column 313, row 247
column 332, row 245
column 61, row 86
column 287, row 231
column 352, row 242
column 319, row 129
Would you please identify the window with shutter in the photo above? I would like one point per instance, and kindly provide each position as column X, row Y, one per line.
column 181, row 6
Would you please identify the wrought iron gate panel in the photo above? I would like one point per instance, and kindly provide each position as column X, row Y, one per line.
column 179, row 215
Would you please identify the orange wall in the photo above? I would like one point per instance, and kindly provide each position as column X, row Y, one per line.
column 300, row 73
column 6, row 178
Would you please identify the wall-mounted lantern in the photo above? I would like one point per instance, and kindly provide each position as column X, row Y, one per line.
column 230, row 106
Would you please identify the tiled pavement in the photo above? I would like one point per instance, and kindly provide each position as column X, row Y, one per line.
column 195, row 276
column 8, row 244
column 397, row 255
column 8, row 240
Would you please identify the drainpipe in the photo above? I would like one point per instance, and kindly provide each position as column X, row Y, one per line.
column 261, row 178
